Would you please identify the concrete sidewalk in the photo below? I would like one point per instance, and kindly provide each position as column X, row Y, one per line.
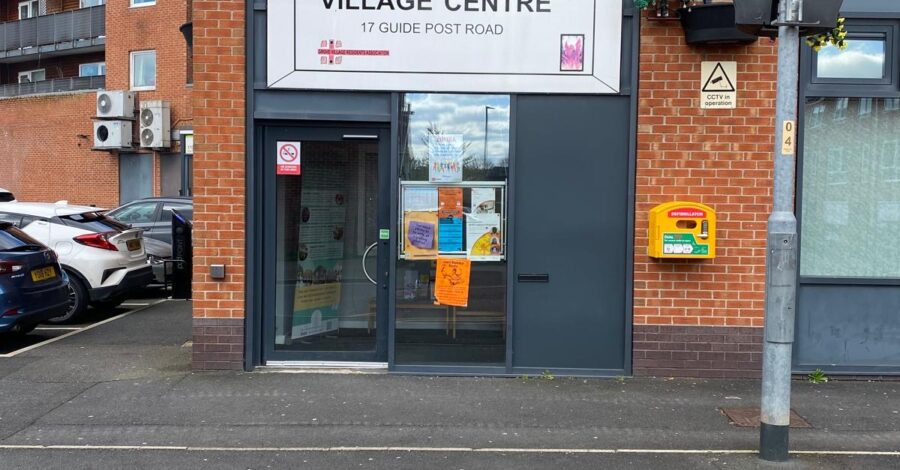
column 124, row 392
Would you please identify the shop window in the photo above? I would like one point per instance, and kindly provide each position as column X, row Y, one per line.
column 31, row 76
column 95, row 69
column 453, row 173
column 850, row 204
column 143, row 70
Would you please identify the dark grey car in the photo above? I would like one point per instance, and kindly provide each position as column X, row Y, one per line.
column 154, row 215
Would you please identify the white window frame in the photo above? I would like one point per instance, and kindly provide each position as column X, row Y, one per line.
column 30, row 75
column 142, row 4
column 101, row 69
column 131, row 70
column 34, row 8
column 91, row 3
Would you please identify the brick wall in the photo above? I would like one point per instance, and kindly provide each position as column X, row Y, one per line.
column 219, row 203
column 721, row 158
column 45, row 151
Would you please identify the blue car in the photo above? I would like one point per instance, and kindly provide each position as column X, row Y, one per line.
column 33, row 287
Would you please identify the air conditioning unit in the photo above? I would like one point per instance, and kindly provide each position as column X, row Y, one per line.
column 112, row 134
column 115, row 104
column 155, row 124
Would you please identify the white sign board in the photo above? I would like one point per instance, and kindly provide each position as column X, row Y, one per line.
column 718, row 85
column 287, row 158
column 498, row 46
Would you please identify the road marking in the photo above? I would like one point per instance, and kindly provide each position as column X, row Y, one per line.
column 80, row 330
column 131, row 304
column 55, row 328
column 494, row 450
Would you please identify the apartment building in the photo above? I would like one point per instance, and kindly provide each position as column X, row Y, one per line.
column 57, row 57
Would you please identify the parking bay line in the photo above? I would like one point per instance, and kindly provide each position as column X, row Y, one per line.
column 80, row 330
column 482, row 450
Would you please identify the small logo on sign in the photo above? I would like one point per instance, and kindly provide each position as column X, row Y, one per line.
column 332, row 52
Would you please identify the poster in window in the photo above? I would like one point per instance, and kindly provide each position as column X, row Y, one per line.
column 484, row 201
column 445, row 158
column 484, row 236
column 452, row 281
column 420, row 234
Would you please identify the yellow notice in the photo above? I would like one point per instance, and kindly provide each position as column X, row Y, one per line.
column 789, row 138
column 451, row 285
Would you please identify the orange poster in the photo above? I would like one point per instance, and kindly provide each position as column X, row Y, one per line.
column 451, row 285
column 450, row 203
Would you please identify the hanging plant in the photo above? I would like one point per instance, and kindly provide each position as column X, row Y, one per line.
column 836, row 37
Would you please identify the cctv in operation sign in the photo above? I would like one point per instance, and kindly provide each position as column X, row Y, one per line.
column 499, row 46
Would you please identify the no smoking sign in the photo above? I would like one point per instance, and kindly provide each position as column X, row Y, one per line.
column 288, row 158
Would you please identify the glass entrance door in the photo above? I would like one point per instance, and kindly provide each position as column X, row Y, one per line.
column 326, row 274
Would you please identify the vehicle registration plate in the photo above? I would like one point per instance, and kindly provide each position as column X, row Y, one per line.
column 133, row 245
column 43, row 274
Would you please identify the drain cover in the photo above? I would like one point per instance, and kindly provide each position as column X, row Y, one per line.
column 749, row 418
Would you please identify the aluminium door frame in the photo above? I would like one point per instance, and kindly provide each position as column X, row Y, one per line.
column 319, row 132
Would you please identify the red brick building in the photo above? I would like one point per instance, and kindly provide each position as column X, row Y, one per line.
column 686, row 317
column 55, row 56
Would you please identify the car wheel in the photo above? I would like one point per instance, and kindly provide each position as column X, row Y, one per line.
column 77, row 301
column 108, row 304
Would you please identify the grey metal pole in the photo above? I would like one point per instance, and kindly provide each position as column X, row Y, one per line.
column 781, row 252
column 484, row 155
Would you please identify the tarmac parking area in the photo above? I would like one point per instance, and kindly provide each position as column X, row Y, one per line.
column 12, row 345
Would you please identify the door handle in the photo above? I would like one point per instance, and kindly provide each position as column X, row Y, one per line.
column 364, row 256
column 360, row 137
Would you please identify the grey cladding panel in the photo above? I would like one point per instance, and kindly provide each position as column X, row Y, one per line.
column 848, row 326
column 571, row 172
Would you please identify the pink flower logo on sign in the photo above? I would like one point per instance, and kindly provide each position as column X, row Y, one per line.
column 571, row 53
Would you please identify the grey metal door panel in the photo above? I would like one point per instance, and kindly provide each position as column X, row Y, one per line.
column 849, row 328
column 135, row 177
column 571, row 196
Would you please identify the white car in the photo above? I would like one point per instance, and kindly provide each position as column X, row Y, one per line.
column 103, row 258
column 6, row 196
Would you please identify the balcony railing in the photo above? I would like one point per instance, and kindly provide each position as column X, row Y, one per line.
column 58, row 85
column 66, row 30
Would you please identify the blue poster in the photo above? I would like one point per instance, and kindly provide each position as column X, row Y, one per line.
column 450, row 235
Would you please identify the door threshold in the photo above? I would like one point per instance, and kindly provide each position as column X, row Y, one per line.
column 324, row 367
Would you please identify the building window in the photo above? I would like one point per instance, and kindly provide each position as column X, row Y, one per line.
column 454, row 150
column 865, row 106
column 94, row 69
column 28, row 9
column 892, row 104
column 142, row 3
column 143, row 70
column 92, row 3
column 31, row 76
column 862, row 59
column 851, row 195
column 840, row 108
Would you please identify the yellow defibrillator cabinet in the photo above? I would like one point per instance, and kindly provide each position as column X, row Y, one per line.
column 682, row 229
